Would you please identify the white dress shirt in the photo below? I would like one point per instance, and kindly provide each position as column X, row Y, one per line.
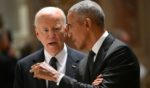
column 61, row 61
column 99, row 43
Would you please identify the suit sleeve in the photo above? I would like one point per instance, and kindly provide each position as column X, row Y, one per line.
column 67, row 82
column 18, row 82
column 121, row 70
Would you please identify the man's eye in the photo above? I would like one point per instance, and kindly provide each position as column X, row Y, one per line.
column 45, row 30
column 57, row 29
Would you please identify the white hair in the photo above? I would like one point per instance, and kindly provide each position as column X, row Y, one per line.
column 50, row 10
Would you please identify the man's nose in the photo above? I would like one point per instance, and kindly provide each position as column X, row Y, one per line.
column 51, row 34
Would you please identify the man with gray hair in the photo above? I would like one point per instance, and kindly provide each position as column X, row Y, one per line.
column 108, row 56
column 50, row 23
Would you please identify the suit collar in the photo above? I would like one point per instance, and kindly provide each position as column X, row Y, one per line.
column 99, row 42
column 71, row 63
column 101, row 55
column 61, row 56
column 105, row 46
column 39, row 57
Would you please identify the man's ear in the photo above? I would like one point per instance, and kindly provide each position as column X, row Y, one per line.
column 67, row 34
column 88, row 23
column 66, row 30
column 36, row 33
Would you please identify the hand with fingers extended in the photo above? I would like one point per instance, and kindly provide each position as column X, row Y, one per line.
column 44, row 71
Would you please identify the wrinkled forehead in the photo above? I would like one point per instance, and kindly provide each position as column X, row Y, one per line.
column 49, row 19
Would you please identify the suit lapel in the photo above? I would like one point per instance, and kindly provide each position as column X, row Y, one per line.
column 71, row 63
column 98, row 65
column 40, row 58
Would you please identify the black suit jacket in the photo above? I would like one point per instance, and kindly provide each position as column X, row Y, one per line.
column 24, row 79
column 115, row 61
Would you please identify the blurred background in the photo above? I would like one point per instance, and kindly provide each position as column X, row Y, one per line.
column 129, row 20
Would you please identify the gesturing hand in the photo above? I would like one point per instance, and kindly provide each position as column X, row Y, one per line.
column 44, row 71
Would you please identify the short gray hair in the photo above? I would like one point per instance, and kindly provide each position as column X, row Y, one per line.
column 50, row 10
column 89, row 9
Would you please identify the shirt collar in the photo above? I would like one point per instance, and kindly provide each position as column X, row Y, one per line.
column 60, row 56
column 99, row 42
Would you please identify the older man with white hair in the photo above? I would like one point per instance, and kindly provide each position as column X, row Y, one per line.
column 50, row 25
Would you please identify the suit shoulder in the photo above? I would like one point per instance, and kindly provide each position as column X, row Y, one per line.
column 31, row 57
column 76, row 54
column 118, row 45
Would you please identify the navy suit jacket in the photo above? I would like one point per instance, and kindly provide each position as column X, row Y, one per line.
column 115, row 61
column 24, row 79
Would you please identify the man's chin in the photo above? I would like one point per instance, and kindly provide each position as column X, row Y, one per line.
column 53, row 50
column 52, row 46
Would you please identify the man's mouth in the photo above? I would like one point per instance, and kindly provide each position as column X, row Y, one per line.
column 52, row 43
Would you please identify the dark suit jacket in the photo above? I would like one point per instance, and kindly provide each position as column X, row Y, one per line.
column 24, row 79
column 115, row 61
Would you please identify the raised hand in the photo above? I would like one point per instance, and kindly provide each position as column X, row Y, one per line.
column 44, row 71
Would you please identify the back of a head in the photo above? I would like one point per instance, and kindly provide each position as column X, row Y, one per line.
column 91, row 10
column 50, row 11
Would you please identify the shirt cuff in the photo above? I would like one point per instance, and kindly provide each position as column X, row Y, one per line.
column 59, row 79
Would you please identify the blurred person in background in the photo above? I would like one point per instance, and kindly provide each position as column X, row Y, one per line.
column 7, row 61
